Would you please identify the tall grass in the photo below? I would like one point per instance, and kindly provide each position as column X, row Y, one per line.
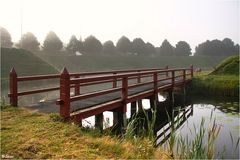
column 3, row 103
column 151, row 123
column 217, row 85
column 142, row 126
column 140, row 131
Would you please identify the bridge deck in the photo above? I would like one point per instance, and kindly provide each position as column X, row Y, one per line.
column 50, row 106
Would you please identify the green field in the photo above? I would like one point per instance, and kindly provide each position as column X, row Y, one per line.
column 24, row 62
column 104, row 62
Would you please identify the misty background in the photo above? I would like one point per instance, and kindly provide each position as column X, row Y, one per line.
column 42, row 37
column 193, row 21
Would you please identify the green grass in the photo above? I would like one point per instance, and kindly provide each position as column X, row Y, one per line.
column 218, row 85
column 26, row 134
column 229, row 66
column 114, row 62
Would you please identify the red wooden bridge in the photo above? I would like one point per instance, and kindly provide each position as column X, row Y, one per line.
column 118, row 88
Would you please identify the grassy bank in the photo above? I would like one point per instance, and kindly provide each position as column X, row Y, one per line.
column 215, row 85
column 222, row 81
column 26, row 134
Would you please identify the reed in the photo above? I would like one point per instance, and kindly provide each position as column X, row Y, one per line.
column 3, row 103
column 196, row 148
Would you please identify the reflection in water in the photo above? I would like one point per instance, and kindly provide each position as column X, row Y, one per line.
column 180, row 116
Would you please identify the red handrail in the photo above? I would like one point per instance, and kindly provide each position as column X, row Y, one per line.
column 76, row 80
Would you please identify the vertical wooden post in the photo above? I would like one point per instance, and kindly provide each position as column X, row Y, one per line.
column 124, row 100
column 166, row 71
column 99, row 121
column 13, row 87
column 133, row 108
column 65, row 94
column 155, row 82
column 140, row 106
column 117, row 121
column 153, row 99
column 139, row 77
column 124, row 93
column 173, row 78
column 191, row 71
column 191, row 109
column 184, row 75
column 114, row 81
column 77, row 88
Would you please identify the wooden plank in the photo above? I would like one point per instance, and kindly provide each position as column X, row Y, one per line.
column 87, row 112
column 94, row 94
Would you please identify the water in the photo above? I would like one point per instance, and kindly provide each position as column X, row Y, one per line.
column 227, row 121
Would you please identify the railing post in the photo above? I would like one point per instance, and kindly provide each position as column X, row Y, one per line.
column 77, row 87
column 13, row 87
column 166, row 71
column 155, row 81
column 119, row 115
column 184, row 75
column 124, row 93
column 154, row 98
column 139, row 77
column 65, row 94
column 114, row 81
column 173, row 78
column 191, row 67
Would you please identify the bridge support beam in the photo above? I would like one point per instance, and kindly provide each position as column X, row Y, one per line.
column 119, row 120
column 99, row 121
column 133, row 108
column 140, row 106
column 154, row 102
column 171, row 98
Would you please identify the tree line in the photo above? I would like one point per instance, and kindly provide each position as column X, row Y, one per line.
column 91, row 45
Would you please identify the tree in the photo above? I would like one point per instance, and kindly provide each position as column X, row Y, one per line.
column 5, row 38
column 150, row 49
column 74, row 45
column 217, row 48
column 124, row 45
column 229, row 47
column 29, row 42
column 182, row 49
column 92, row 45
column 138, row 46
column 52, row 43
column 166, row 49
column 109, row 48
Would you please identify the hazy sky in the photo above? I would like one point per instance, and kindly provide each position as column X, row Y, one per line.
column 193, row 21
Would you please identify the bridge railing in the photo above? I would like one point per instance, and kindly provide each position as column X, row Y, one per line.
column 177, row 76
column 14, row 80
